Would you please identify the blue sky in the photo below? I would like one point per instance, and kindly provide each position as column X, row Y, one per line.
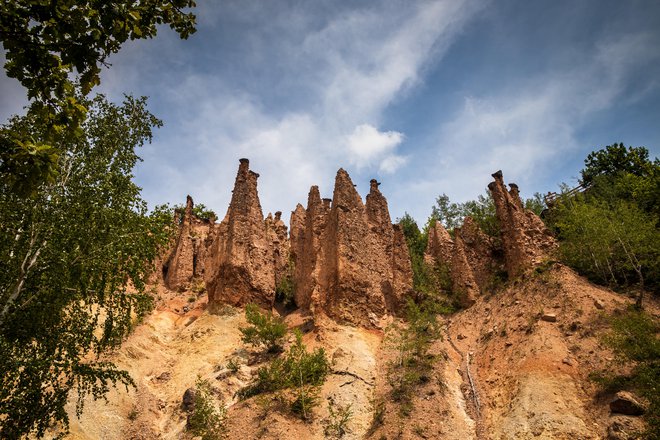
column 428, row 97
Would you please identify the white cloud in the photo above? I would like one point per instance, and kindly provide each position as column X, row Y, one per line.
column 367, row 145
column 529, row 129
column 392, row 163
column 326, row 83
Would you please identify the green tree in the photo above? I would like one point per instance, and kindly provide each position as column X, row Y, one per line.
column 264, row 329
column 452, row 215
column 199, row 210
column 612, row 243
column 615, row 159
column 75, row 257
column 47, row 41
column 448, row 213
column 610, row 231
column 298, row 370
column 634, row 338
column 208, row 419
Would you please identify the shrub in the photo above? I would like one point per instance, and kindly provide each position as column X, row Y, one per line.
column 285, row 288
column 265, row 329
column 634, row 339
column 298, row 371
column 338, row 418
column 414, row 363
column 233, row 365
column 207, row 420
column 611, row 243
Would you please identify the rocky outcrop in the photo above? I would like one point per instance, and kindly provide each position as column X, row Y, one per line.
column 525, row 239
column 482, row 252
column 241, row 255
column 626, row 403
column 440, row 246
column 279, row 238
column 186, row 261
column 468, row 257
column 351, row 263
column 309, row 257
column 462, row 274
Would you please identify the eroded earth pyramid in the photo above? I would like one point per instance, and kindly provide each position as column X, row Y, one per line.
column 241, row 254
column 351, row 263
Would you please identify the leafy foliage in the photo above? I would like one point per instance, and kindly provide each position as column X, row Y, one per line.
column 429, row 281
column 336, row 425
column 207, row 420
column 635, row 339
column 284, row 291
column 265, row 329
column 615, row 159
column 76, row 254
column 45, row 42
column 414, row 363
column 613, row 244
column 199, row 210
column 299, row 371
column 610, row 232
column 482, row 211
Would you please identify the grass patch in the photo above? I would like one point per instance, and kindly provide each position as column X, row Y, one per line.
column 634, row 338
column 207, row 420
column 298, row 372
column 414, row 364
column 265, row 329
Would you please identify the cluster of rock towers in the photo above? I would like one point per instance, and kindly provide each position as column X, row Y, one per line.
column 344, row 258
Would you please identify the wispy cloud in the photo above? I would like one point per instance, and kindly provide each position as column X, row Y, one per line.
column 330, row 80
column 367, row 145
column 528, row 125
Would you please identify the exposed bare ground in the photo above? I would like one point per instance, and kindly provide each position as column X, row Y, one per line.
column 503, row 371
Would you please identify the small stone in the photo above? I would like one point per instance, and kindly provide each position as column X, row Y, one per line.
column 549, row 317
column 224, row 374
column 600, row 305
column 460, row 336
column 567, row 361
column 626, row 403
column 164, row 377
column 338, row 354
column 624, row 428
column 188, row 403
column 186, row 309
column 508, row 344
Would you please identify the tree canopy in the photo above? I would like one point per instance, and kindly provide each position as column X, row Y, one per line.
column 45, row 43
column 76, row 255
column 610, row 232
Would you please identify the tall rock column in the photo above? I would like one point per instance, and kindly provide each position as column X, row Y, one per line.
column 395, row 270
column 462, row 275
column 310, row 257
column 525, row 239
column 351, row 275
column 440, row 246
column 281, row 248
column 178, row 271
column 244, row 270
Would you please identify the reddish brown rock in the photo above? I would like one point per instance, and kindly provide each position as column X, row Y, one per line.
column 279, row 237
column 402, row 273
column 481, row 252
column 525, row 240
column 308, row 250
column 241, row 254
column 440, row 246
column 462, row 275
column 395, row 270
column 186, row 260
column 351, row 263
